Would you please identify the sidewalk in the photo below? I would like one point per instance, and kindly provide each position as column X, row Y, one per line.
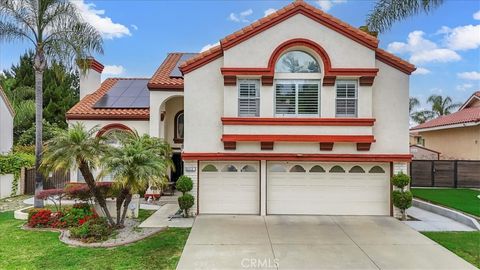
column 161, row 219
column 428, row 221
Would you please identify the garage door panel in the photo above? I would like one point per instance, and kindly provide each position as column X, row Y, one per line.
column 328, row 193
column 229, row 192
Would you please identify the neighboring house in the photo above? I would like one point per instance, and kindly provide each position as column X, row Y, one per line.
column 457, row 135
column 273, row 120
column 6, row 123
column 421, row 153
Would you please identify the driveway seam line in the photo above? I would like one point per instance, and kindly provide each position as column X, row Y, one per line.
column 270, row 241
column 364, row 252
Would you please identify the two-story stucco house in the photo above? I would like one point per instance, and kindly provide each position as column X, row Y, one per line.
column 6, row 123
column 297, row 113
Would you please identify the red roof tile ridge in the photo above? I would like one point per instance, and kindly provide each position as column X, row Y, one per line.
column 467, row 115
column 394, row 60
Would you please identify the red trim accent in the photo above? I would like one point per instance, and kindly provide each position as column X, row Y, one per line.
column 165, row 87
column 330, row 73
column 297, row 138
column 107, row 117
column 229, row 145
column 256, row 121
column 95, row 65
column 394, row 61
column 201, row 59
column 363, row 146
column 266, row 145
column 113, row 126
column 366, row 80
column 229, row 80
column 299, row 157
column 324, row 146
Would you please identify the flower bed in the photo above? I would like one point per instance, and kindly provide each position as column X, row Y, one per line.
column 81, row 219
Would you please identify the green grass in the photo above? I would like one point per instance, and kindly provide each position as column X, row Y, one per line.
column 143, row 214
column 464, row 244
column 21, row 249
column 464, row 200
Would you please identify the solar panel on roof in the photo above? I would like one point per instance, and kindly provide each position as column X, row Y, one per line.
column 126, row 94
column 176, row 73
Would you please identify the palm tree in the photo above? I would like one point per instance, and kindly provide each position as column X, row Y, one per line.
column 57, row 31
column 442, row 105
column 386, row 12
column 138, row 162
column 421, row 117
column 78, row 148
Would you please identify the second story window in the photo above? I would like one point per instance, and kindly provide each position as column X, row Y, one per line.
column 297, row 98
column 249, row 98
column 346, row 101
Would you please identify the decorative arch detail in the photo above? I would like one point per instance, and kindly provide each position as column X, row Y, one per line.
column 109, row 127
column 367, row 75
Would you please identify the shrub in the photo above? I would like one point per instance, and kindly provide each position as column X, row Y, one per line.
column 82, row 192
column 92, row 230
column 185, row 202
column 401, row 180
column 402, row 200
column 53, row 195
column 184, row 184
column 40, row 218
column 77, row 215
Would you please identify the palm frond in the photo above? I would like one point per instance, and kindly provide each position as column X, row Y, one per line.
column 387, row 12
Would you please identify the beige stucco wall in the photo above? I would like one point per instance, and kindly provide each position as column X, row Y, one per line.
column 6, row 128
column 454, row 143
column 207, row 99
column 420, row 153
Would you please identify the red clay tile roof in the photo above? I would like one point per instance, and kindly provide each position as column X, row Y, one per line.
column 85, row 108
column 161, row 79
column 470, row 99
column 394, row 61
column 285, row 13
column 468, row 115
column 7, row 102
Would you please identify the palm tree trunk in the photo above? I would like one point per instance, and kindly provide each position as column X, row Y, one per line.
column 128, row 199
column 120, row 199
column 38, row 135
column 87, row 175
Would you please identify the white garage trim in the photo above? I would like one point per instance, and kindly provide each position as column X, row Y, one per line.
column 314, row 188
column 229, row 187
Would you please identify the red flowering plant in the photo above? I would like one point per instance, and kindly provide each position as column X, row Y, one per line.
column 54, row 195
column 40, row 218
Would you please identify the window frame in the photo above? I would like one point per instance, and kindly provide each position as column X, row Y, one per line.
column 176, row 138
column 346, row 81
column 297, row 82
column 256, row 98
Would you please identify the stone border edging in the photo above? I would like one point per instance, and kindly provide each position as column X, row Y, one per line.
column 19, row 214
column 449, row 213
column 64, row 238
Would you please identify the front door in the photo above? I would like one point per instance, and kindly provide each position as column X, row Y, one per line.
column 178, row 163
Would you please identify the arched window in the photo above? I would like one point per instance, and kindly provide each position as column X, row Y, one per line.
column 337, row 169
column 209, row 168
column 376, row 169
column 297, row 168
column 229, row 168
column 178, row 128
column 317, row 169
column 248, row 168
column 356, row 169
column 297, row 62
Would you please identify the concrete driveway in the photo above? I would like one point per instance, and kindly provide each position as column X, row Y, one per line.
column 311, row 242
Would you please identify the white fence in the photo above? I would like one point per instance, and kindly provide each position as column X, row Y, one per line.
column 6, row 182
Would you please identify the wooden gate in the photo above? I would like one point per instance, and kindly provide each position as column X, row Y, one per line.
column 56, row 180
column 445, row 173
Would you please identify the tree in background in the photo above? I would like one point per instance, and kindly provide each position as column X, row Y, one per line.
column 442, row 105
column 60, row 93
column 386, row 12
column 57, row 31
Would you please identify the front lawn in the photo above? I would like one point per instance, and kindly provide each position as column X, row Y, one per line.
column 464, row 244
column 21, row 249
column 462, row 199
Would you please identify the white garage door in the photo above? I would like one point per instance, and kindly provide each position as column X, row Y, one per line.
column 229, row 188
column 328, row 188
